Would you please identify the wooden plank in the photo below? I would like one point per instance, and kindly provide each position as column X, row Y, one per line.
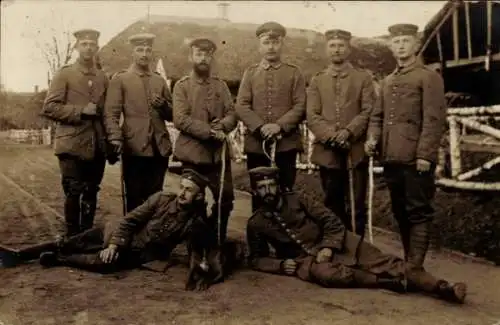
column 468, row 27
column 466, row 61
column 456, row 45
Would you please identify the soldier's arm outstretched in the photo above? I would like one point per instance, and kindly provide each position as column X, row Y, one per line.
column 135, row 220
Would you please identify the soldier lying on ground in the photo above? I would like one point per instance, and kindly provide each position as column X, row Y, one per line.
column 149, row 232
column 312, row 244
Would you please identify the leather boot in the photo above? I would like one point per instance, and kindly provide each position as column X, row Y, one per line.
column 88, row 262
column 419, row 240
column 455, row 293
column 395, row 284
column 72, row 214
column 404, row 232
column 33, row 252
column 88, row 208
column 8, row 257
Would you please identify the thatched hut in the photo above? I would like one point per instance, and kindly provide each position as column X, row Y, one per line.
column 237, row 47
column 463, row 41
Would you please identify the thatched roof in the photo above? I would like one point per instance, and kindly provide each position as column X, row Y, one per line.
column 237, row 47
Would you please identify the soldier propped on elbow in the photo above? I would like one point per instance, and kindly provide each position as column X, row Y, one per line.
column 271, row 104
column 405, row 128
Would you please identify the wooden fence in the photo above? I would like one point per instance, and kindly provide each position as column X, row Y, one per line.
column 33, row 136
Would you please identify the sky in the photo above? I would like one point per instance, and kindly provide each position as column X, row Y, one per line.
column 28, row 24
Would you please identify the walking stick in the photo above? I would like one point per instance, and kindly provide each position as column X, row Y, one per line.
column 272, row 154
column 351, row 192
column 221, row 190
column 370, row 198
column 123, row 188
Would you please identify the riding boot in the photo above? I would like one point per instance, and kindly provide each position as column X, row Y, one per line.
column 88, row 262
column 451, row 292
column 404, row 231
column 88, row 208
column 419, row 240
column 33, row 252
column 72, row 214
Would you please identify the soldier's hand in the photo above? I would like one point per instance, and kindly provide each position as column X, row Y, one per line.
column 324, row 255
column 117, row 146
column 109, row 254
column 218, row 135
column 216, row 125
column 90, row 109
column 423, row 166
column 342, row 137
column 370, row 147
column 289, row 266
column 157, row 101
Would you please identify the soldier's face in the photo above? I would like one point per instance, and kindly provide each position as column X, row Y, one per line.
column 270, row 47
column 142, row 55
column 337, row 50
column 189, row 192
column 267, row 190
column 87, row 49
column 404, row 46
column 201, row 59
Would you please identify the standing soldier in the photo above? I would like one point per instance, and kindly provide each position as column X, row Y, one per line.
column 204, row 115
column 75, row 102
column 407, row 124
column 339, row 103
column 271, row 103
column 144, row 99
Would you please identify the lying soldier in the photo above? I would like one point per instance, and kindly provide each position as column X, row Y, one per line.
column 312, row 244
column 149, row 232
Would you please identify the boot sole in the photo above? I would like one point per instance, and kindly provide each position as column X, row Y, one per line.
column 460, row 292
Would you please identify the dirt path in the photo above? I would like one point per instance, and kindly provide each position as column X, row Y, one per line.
column 30, row 295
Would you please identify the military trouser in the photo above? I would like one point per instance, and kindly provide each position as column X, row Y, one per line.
column 81, row 181
column 411, row 198
column 143, row 177
column 81, row 251
column 335, row 183
column 372, row 269
column 212, row 173
column 285, row 161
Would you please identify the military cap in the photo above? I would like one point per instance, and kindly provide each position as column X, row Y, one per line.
column 261, row 173
column 337, row 34
column 271, row 28
column 87, row 34
column 203, row 44
column 403, row 29
column 195, row 177
column 142, row 39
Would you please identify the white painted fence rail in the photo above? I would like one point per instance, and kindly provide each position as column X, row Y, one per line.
column 32, row 136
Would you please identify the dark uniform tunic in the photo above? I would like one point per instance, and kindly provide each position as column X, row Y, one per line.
column 149, row 232
column 273, row 93
column 197, row 103
column 341, row 99
column 300, row 228
column 408, row 122
column 80, row 141
column 146, row 141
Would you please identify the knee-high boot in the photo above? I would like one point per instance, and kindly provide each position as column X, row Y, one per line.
column 419, row 239
column 404, row 233
column 421, row 280
column 72, row 214
column 88, row 208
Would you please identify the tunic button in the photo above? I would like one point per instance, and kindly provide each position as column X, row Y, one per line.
column 293, row 236
column 288, row 230
column 299, row 241
column 283, row 224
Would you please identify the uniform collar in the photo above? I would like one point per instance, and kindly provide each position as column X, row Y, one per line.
column 342, row 71
column 266, row 64
column 199, row 80
column 84, row 68
column 134, row 68
column 408, row 67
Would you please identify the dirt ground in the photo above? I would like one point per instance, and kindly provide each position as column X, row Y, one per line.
column 30, row 211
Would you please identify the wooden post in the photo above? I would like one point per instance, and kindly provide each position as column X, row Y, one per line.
column 479, row 127
column 456, row 53
column 456, row 164
column 489, row 10
column 467, row 24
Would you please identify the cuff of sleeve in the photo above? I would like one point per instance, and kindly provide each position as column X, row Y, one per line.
column 117, row 241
